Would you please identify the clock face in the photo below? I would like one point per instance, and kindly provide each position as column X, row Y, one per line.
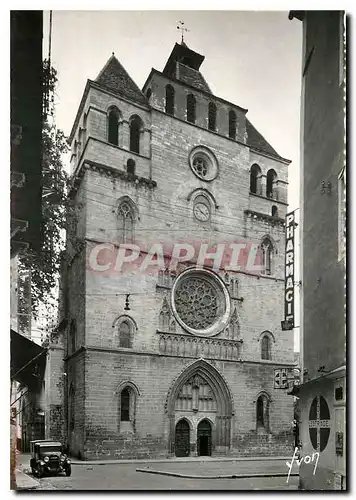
column 201, row 212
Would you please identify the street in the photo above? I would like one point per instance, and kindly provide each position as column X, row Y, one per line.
column 126, row 477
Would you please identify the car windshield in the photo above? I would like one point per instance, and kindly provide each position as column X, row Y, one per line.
column 49, row 449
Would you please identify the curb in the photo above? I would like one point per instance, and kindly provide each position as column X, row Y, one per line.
column 192, row 460
column 223, row 476
column 22, row 477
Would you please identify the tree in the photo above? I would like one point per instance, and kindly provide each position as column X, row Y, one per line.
column 44, row 266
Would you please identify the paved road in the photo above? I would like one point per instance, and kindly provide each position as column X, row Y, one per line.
column 125, row 477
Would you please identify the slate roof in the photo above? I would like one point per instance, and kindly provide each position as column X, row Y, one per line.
column 192, row 77
column 115, row 78
column 256, row 140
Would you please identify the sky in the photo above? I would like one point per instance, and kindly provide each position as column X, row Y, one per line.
column 252, row 59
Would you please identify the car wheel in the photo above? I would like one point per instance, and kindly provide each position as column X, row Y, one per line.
column 68, row 471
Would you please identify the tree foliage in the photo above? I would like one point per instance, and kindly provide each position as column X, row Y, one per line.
column 44, row 266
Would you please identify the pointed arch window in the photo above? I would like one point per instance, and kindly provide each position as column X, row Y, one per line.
column 212, row 116
column 169, row 100
column 125, row 405
column 267, row 256
column 262, row 412
column 125, row 335
column 128, row 394
column 191, row 108
column 113, row 126
column 124, row 330
column 266, row 347
column 232, row 124
column 271, row 180
column 255, row 179
column 126, row 221
column 136, row 126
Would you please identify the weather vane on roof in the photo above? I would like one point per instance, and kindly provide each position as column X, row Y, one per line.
column 181, row 27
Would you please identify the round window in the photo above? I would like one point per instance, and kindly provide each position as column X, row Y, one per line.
column 200, row 302
column 203, row 163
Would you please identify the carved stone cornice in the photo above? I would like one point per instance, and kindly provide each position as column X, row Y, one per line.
column 265, row 217
column 207, row 347
column 109, row 172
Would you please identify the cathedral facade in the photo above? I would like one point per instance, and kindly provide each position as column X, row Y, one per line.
column 173, row 341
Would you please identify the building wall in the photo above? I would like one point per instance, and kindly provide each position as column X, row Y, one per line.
column 323, row 272
column 323, row 278
column 153, row 375
column 163, row 190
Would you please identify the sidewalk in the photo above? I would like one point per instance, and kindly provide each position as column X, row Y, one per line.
column 175, row 460
column 25, row 482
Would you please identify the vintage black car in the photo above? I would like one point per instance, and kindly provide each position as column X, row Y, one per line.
column 47, row 458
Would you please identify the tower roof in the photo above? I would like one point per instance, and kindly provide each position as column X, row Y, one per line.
column 115, row 78
column 183, row 64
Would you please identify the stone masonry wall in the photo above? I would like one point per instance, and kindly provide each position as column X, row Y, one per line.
column 164, row 214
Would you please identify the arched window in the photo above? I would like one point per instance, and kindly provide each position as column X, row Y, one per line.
column 130, row 166
column 265, row 347
column 267, row 254
column 113, row 126
column 274, row 211
column 191, row 108
column 169, row 99
column 259, row 411
column 126, row 220
column 212, row 116
column 128, row 394
column 125, row 405
column 148, row 93
column 135, row 132
column 232, row 124
column 255, row 179
column 125, row 337
column 262, row 412
column 124, row 328
column 271, row 179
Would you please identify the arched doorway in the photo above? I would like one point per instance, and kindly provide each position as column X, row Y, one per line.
column 201, row 392
column 182, row 439
column 204, row 439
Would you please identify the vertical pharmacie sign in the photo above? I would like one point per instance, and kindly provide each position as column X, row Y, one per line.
column 289, row 271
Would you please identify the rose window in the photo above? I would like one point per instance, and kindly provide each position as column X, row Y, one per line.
column 200, row 166
column 200, row 302
column 203, row 163
column 196, row 303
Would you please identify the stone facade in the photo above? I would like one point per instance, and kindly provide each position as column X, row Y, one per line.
column 323, row 253
column 156, row 389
